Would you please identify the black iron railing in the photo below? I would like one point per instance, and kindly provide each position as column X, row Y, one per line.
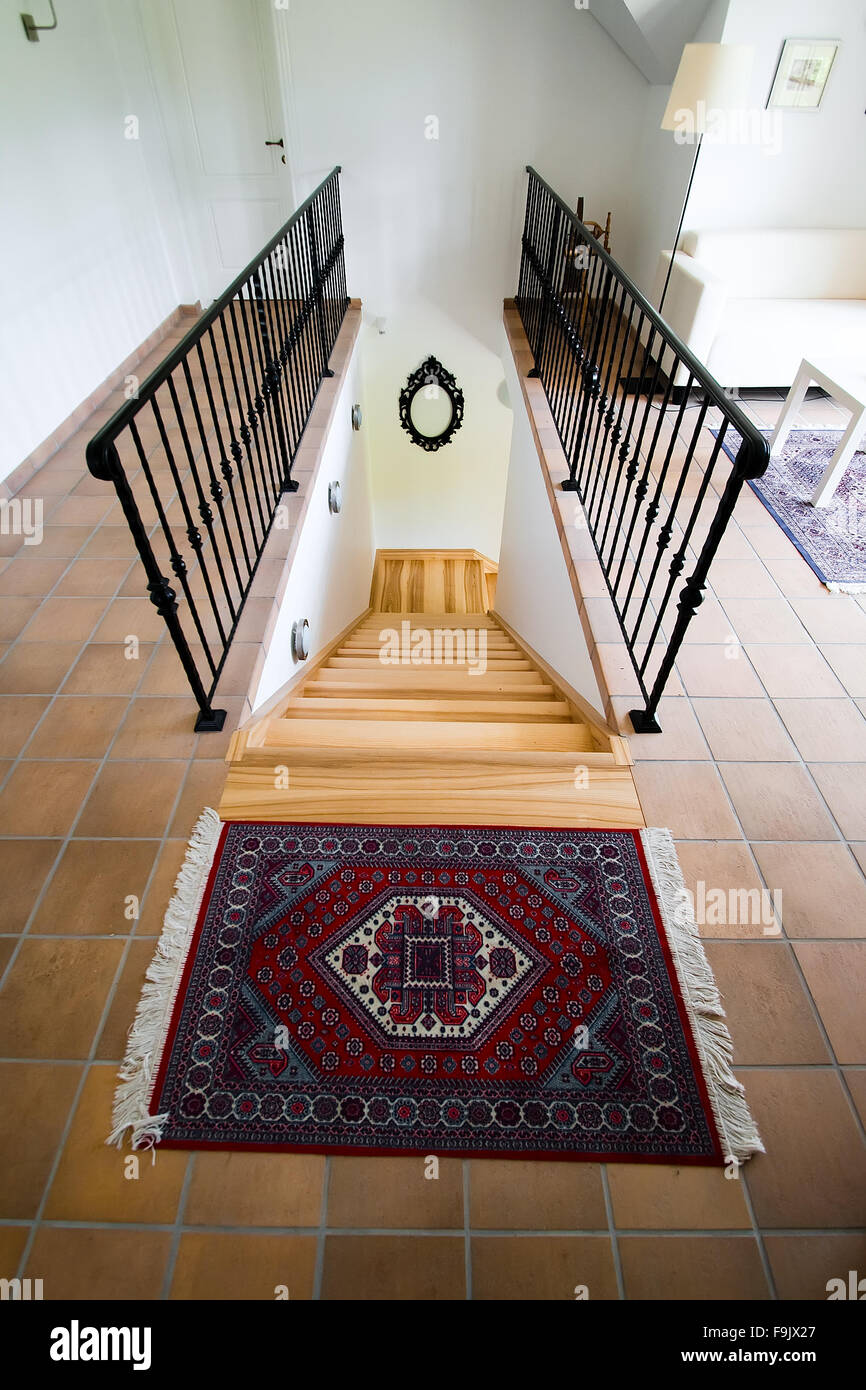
column 632, row 408
column 202, row 454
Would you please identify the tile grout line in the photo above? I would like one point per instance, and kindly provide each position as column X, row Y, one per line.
column 321, row 1236
column 467, row 1238
column 177, row 1229
column 612, row 1233
column 759, row 1235
column 478, row 1232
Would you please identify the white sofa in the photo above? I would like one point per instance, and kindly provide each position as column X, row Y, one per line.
column 752, row 304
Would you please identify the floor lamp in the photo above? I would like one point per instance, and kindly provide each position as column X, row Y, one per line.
column 711, row 78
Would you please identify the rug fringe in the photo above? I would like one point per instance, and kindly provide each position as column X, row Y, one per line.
column 147, row 1036
column 839, row 588
column 737, row 1129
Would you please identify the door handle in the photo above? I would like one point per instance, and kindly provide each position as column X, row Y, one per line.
column 280, row 144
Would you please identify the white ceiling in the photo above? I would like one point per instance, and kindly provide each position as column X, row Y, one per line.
column 651, row 32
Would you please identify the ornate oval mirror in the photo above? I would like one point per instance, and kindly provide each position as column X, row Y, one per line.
column 431, row 405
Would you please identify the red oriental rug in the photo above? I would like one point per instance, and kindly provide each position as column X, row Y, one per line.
column 445, row 990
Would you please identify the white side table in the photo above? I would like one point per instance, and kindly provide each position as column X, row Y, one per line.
column 846, row 389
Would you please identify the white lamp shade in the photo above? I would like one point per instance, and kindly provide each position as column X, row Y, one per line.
column 714, row 74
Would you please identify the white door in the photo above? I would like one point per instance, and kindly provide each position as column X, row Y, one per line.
column 219, row 91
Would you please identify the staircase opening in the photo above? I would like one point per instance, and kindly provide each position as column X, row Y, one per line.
column 430, row 710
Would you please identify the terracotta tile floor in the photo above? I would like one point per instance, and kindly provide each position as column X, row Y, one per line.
column 759, row 772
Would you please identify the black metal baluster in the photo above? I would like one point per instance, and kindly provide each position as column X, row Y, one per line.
column 215, row 487
column 228, row 472
column 245, row 433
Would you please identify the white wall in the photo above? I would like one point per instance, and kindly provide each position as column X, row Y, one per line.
column 453, row 497
column 87, row 273
column 818, row 179
column 329, row 580
column 533, row 591
column 432, row 226
column 661, row 172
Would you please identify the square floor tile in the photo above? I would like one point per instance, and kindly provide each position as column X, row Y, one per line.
column 835, row 972
column 156, row 728
column 777, row 801
column 44, row 798
column 804, row 1266
column 78, row 727
column 256, row 1189
column 848, row 660
column 54, row 996
column 108, row 669
column 681, row 735
column 764, row 620
column 36, row 668
column 378, row 1193
column 132, row 799
column 417, row 1268
column 510, row 1194
column 768, row 1012
column 717, row 671
column 744, row 731
column 82, row 1263
column 794, row 671
column 24, row 867
column 91, row 889
column 825, row 730
column 842, row 787
column 688, row 798
column 35, row 1100
column 819, row 888
column 832, row 618
column 215, row 1267
column 726, row 889
column 688, row 1268
column 552, row 1268
column 19, row 715
column 64, row 620
column 654, row 1196
column 95, row 1182
column 812, row 1172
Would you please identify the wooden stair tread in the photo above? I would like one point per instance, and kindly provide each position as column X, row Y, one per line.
column 431, row 677
column 459, row 687
column 421, row 735
column 380, row 620
column 464, row 794
column 375, row 706
column 373, row 663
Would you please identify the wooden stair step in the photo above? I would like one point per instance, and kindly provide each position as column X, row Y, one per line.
column 369, row 646
column 369, row 663
column 464, row 792
column 460, row 686
column 542, row 711
column 434, row 677
column 422, row 735
column 381, row 618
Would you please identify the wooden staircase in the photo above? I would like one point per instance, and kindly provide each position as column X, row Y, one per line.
column 372, row 735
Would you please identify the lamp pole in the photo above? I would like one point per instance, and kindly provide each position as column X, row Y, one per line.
column 676, row 240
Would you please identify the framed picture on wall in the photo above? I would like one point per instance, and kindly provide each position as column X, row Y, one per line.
column 801, row 76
